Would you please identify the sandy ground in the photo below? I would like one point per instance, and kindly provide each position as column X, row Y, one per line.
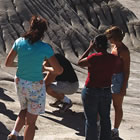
column 65, row 126
column 70, row 125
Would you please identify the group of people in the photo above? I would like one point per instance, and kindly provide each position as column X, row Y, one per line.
column 107, row 79
column 41, row 71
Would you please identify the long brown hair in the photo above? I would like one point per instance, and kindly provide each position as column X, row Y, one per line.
column 37, row 28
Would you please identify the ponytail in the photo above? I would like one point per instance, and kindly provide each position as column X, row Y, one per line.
column 38, row 26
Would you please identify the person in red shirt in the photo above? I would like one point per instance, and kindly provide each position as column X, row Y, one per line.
column 120, row 78
column 96, row 95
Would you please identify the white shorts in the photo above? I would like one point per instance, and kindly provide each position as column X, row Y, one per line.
column 31, row 95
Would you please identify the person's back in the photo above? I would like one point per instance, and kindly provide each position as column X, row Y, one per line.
column 30, row 58
column 101, row 69
column 68, row 71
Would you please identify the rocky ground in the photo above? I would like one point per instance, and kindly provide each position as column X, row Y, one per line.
column 70, row 125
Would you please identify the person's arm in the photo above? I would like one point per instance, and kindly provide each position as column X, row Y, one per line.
column 47, row 67
column 83, row 62
column 10, row 59
column 125, row 55
column 57, row 70
column 49, row 78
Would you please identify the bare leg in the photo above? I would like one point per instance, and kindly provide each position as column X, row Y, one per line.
column 50, row 77
column 20, row 121
column 117, row 103
column 30, row 126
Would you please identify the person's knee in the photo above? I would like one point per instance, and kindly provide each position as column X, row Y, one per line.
column 31, row 119
column 49, row 90
column 30, row 122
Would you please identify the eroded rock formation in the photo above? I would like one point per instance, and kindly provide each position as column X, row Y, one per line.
column 72, row 24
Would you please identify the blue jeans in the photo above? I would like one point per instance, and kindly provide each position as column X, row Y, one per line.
column 97, row 100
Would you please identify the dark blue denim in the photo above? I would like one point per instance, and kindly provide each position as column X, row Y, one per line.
column 97, row 100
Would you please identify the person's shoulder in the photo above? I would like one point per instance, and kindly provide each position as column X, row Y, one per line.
column 43, row 43
column 95, row 54
column 19, row 39
column 46, row 48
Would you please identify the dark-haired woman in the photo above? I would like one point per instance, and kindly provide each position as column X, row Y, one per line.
column 96, row 95
column 30, row 87
column 120, row 78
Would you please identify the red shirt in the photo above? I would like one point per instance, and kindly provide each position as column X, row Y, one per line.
column 101, row 70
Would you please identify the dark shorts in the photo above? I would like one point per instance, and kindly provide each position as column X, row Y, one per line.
column 117, row 81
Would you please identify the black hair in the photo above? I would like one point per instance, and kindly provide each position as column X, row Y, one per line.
column 101, row 41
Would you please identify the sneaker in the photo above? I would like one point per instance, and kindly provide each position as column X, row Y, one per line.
column 114, row 134
column 65, row 107
column 56, row 103
column 11, row 137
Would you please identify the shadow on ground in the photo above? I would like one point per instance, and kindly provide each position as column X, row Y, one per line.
column 4, row 132
column 4, row 96
column 76, row 117
column 6, row 112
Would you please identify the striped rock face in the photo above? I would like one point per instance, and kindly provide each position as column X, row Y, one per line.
column 72, row 24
